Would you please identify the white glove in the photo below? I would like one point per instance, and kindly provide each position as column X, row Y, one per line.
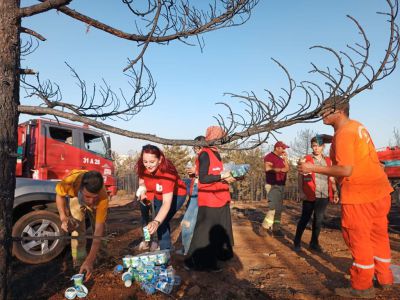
column 140, row 191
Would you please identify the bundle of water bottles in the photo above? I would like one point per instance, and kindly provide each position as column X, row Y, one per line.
column 236, row 170
column 150, row 270
column 78, row 290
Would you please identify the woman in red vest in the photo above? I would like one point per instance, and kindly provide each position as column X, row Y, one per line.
column 316, row 190
column 161, row 184
column 212, row 237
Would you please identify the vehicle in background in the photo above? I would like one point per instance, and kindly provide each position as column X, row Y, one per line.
column 35, row 215
column 50, row 150
column 390, row 158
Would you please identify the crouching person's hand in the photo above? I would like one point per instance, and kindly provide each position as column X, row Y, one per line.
column 87, row 268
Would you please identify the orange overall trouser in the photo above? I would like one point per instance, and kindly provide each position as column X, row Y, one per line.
column 365, row 231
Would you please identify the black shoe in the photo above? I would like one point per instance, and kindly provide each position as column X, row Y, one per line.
column 316, row 248
column 277, row 233
column 296, row 247
column 215, row 269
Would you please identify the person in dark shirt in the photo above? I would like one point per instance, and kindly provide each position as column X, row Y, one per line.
column 276, row 167
column 212, row 237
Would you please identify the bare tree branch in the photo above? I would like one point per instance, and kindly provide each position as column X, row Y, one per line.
column 185, row 20
column 33, row 33
column 146, row 44
column 27, row 72
column 28, row 46
column 173, row 20
column 110, row 105
column 271, row 114
column 42, row 7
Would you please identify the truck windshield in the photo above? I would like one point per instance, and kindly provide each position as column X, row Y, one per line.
column 95, row 144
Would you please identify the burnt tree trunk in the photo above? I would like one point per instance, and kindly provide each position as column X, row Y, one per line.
column 9, row 100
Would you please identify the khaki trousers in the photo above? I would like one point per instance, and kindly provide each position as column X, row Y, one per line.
column 78, row 213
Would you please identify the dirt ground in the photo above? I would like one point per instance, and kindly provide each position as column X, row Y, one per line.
column 263, row 267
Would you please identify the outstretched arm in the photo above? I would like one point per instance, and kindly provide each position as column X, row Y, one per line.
column 87, row 265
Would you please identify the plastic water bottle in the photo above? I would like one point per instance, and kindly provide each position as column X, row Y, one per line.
column 118, row 269
column 127, row 279
column 228, row 166
column 164, row 287
column 148, row 288
column 146, row 233
column 240, row 170
column 177, row 280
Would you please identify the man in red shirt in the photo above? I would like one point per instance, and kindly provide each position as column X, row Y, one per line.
column 276, row 167
column 365, row 198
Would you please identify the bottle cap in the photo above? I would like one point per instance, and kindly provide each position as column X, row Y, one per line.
column 128, row 283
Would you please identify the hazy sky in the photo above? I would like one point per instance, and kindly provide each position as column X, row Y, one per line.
column 235, row 60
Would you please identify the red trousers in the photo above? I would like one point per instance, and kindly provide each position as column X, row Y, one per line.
column 365, row 231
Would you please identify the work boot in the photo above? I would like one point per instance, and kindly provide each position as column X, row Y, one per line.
column 358, row 294
column 385, row 287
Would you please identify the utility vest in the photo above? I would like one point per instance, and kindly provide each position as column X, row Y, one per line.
column 214, row 194
column 309, row 181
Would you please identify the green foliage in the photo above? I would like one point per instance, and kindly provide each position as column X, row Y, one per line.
column 180, row 156
column 124, row 165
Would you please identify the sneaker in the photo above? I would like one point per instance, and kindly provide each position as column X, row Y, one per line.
column 358, row 294
column 277, row 233
column 143, row 246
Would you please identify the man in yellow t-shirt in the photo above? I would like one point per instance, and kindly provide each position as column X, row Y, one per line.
column 79, row 193
column 365, row 198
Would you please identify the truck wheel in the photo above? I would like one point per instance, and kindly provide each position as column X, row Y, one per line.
column 38, row 224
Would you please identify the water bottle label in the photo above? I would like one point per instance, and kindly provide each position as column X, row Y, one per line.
column 146, row 233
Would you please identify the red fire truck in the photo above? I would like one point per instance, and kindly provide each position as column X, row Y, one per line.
column 49, row 149
column 390, row 157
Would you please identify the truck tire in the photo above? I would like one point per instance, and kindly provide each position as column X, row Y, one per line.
column 37, row 224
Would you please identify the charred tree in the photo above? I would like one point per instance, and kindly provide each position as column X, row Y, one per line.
column 9, row 101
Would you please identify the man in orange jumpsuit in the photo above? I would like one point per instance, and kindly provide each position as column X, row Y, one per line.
column 365, row 198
